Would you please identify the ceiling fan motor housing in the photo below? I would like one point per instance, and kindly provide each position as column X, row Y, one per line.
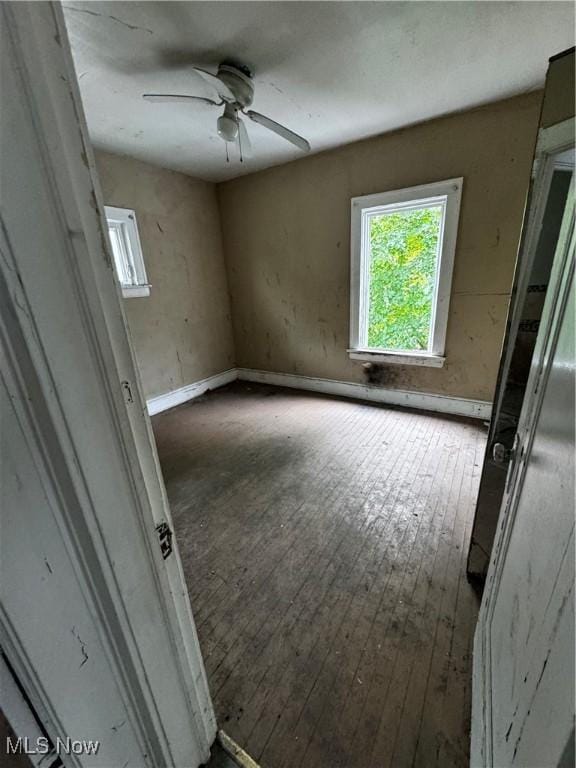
column 241, row 84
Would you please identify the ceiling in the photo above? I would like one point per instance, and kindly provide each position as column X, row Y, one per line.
column 334, row 72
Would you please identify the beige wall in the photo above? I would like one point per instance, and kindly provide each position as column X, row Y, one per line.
column 182, row 331
column 286, row 241
column 286, row 244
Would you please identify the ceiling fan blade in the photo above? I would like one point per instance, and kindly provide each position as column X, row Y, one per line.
column 221, row 88
column 285, row 133
column 244, row 139
column 158, row 97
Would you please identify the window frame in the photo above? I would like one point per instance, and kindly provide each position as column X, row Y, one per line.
column 124, row 220
column 449, row 193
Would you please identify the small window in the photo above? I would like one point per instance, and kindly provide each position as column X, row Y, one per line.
column 402, row 251
column 127, row 252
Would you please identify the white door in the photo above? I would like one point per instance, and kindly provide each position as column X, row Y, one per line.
column 523, row 690
column 94, row 622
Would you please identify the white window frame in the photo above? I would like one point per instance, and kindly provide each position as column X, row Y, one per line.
column 446, row 193
column 129, row 263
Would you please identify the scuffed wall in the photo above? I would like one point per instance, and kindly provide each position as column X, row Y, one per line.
column 287, row 232
column 182, row 332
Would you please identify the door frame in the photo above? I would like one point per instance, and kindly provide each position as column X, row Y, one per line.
column 553, row 140
column 549, row 143
column 44, row 64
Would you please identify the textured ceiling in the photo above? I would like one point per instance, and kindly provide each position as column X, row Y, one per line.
column 335, row 72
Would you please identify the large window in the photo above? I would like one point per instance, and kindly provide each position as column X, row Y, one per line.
column 127, row 251
column 402, row 248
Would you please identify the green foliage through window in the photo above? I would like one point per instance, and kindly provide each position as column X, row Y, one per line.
column 403, row 253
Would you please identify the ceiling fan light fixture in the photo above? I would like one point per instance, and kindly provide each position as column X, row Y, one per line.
column 227, row 125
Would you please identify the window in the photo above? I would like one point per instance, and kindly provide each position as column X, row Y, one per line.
column 402, row 253
column 127, row 252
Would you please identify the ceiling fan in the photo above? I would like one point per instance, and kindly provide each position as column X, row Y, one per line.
column 234, row 85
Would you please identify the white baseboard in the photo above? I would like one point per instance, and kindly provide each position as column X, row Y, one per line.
column 458, row 406
column 178, row 396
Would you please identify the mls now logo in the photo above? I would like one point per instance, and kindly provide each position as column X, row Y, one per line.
column 42, row 746
column 69, row 746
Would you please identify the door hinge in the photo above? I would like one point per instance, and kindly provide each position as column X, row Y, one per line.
column 127, row 392
column 165, row 539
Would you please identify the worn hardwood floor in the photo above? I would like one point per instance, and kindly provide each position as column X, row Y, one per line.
column 324, row 544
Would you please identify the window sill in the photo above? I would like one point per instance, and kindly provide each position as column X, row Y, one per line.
column 135, row 291
column 397, row 358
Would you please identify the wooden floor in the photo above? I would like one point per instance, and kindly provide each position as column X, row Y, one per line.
column 324, row 544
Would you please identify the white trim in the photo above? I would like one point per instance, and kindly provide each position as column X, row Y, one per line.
column 397, row 358
column 135, row 291
column 238, row 755
column 556, row 137
column 557, row 297
column 445, row 193
column 551, row 141
column 425, row 401
column 457, row 406
column 178, row 396
column 63, row 331
column 22, row 720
